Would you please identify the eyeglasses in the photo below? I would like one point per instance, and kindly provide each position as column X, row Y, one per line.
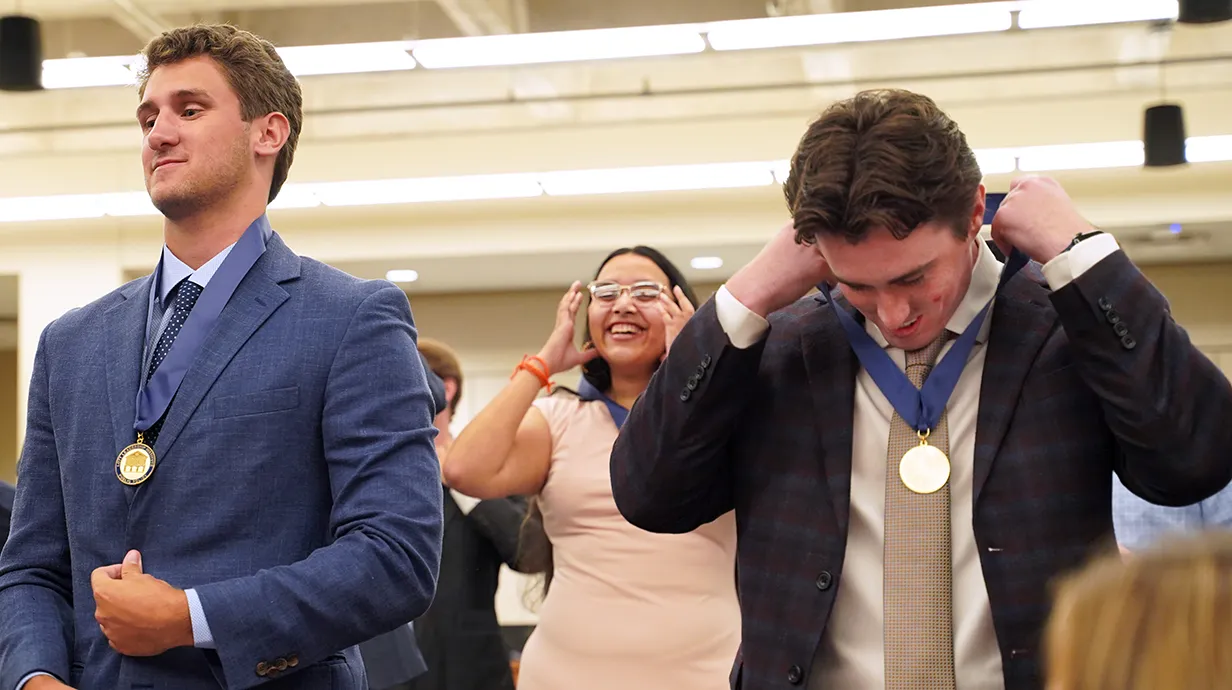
column 644, row 291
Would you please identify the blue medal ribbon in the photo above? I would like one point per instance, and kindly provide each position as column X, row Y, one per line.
column 154, row 397
column 588, row 392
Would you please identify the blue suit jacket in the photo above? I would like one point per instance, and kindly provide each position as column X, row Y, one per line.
column 297, row 488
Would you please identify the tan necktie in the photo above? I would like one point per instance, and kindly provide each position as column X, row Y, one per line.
column 919, row 631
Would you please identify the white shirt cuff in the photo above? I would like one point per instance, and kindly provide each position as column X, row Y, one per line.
column 742, row 326
column 202, row 637
column 1067, row 266
column 465, row 503
column 22, row 683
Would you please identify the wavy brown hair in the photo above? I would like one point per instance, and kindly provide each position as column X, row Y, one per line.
column 884, row 158
column 252, row 66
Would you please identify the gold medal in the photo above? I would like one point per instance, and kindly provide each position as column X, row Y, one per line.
column 135, row 463
column 924, row 469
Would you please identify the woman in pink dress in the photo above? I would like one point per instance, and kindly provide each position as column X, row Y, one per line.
column 624, row 609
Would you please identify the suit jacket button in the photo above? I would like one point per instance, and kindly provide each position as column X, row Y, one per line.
column 1113, row 317
column 692, row 384
column 706, row 362
column 701, row 371
column 1120, row 328
column 684, row 395
column 281, row 665
column 1104, row 304
column 1128, row 342
column 824, row 580
column 292, row 661
column 262, row 669
column 795, row 675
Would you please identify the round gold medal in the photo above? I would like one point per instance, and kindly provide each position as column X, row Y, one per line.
column 135, row 464
column 924, row 469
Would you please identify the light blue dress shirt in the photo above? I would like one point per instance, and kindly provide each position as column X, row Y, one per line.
column 1140, row 525
column 174, row 271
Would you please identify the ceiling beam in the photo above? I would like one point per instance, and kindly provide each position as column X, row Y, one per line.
column 137, row 20
column 479, row 17
column 75, row 9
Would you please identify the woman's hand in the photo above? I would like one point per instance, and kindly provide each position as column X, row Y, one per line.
column 560, row 353
column 676, row 313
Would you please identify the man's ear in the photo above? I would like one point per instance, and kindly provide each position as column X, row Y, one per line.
column 977, row 213
column 270, row 133
column 451, row 391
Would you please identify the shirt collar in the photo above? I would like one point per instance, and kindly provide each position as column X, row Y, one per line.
column 174, row 271
column 984, row 278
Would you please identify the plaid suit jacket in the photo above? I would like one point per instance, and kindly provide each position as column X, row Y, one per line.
column 1092, row 379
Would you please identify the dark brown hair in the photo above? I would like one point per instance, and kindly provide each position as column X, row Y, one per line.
column 881, row 159
column 597, row 371
column 262, row 82
column 443, row 362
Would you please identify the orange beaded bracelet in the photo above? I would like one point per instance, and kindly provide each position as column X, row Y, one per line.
column 541, row 372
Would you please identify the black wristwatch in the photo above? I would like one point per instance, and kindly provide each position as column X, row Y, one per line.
column 1080, row 237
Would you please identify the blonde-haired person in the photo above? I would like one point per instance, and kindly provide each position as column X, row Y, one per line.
column 1160, row 619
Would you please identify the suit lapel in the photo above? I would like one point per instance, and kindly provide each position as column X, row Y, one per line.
column 256, row 298
column 1022, row 318
column 126, row 324
column 830, row 365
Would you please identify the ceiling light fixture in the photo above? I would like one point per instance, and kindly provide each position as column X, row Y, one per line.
column 703, row 176
column 706, row 263
column 402, row 275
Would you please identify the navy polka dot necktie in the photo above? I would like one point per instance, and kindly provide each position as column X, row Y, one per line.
column 186, row 294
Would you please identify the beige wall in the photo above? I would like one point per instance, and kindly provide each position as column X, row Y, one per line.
column 8, row 414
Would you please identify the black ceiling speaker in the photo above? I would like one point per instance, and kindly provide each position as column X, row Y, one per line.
column 1204, row 11
column 1163, row 136
column 21, row 54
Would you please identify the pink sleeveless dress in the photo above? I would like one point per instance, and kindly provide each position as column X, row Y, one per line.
column 627, row 609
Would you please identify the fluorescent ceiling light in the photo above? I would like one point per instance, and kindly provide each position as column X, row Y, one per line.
column 706, row 263
column 1208, row 149
column 1043, row 14
column 69, row 73
column 348, row 58
column 1051, row 158
column 560, row 46
column 658, row 178
column 997, row 161
column 1109, row 154
column 402, row 275
column 849, row 27
column 422, row 189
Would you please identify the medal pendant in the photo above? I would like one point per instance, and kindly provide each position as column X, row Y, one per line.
column 135, row 464
column 924, row 469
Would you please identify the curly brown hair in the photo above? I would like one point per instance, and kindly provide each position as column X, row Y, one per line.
column 885, row 158
column 253, row 68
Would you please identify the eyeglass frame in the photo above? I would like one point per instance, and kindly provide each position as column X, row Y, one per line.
column 622, row 289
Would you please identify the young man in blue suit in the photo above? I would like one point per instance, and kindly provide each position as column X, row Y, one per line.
column 228, row 477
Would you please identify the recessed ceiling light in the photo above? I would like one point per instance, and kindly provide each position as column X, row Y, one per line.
column 402, row 275
column 706, row 263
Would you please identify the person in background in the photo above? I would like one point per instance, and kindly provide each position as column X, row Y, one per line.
column 1161, row 620
column 228, row 477
column 460, row 635
column 1140, row 524
column 623, row 608
column 7, row 492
